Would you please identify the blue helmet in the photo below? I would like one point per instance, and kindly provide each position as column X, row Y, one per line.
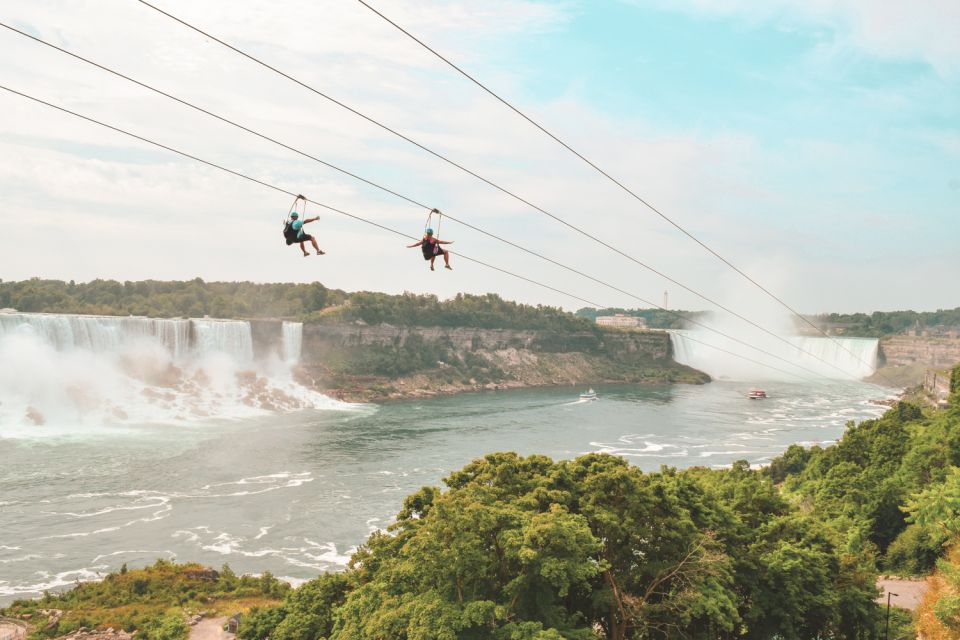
column 429, row 231
column 294, row 215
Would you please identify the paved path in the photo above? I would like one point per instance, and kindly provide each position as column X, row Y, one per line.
column 909, row 592
column 210, row 629
column 12, row 629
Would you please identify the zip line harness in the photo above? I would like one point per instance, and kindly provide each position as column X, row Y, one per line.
column 436, row 231
column 294, row 208
column 288, row 233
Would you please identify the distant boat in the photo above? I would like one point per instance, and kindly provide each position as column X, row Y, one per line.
column 588, row 395
column 757, row 394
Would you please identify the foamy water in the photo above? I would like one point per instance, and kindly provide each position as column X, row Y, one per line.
column 63, row 375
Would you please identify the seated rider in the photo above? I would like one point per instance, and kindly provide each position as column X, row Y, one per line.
column 431, row 249
column 293, row 232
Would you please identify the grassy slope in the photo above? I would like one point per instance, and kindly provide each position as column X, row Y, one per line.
column 154, row 600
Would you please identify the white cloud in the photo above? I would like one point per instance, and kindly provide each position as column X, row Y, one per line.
column 927, row 30
column 100, row 205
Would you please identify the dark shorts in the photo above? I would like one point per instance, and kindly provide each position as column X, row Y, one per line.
column 431, row 256
column 304, row 238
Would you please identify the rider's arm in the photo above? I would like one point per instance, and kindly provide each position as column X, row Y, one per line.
column 416, row 244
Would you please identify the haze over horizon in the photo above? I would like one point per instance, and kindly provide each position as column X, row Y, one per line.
column 815, row 145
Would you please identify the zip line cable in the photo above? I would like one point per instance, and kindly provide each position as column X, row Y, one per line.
column 607, row 176
column 638, row 298
column 355, row 217
column 488, row 182
column 281, row 190
column 411, row 200
column 205, row 111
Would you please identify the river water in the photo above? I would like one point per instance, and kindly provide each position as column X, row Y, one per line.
column 295, row 492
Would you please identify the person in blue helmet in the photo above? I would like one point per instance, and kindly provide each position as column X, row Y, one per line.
column 431, row 249
column 293, row 232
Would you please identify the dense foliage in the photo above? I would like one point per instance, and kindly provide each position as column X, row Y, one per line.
column 935, row 511
column 414, row 354
column 864, row 484
column 488, row 311
column 528, row 548
column 884, row 323
column 154, row 298
column 311, row 302
column 152, row 600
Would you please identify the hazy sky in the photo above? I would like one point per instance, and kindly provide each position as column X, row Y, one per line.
column 814, row 143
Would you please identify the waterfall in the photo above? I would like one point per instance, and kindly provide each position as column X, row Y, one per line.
column 838, row 358
column 95, row 333
column 74, row 369
column 223, row 336
column 184, row 338
column 855, row 355
column 292, row 341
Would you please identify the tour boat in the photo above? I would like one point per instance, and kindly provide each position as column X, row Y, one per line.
column 588, row 395
column 757, row 394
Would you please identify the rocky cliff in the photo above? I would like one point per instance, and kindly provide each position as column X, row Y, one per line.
column 360, row 362
column 929, row 351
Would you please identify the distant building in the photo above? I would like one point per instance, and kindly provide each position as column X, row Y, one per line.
column 622, row 321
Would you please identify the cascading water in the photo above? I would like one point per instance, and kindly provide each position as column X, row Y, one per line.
column 98, row 333
column 61, row 371
column 292, row 341
column 224, row 336
column 839, row 358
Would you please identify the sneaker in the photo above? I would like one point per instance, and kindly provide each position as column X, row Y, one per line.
column 446, row 266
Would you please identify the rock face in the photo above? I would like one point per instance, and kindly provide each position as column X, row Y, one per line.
column 319, row 338
column 53, row 618
column 930, row 351
column 94, row 634
column 13, row 629
column 362, row 363
column 266, row 336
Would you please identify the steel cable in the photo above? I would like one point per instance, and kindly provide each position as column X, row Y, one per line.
column 347, row 214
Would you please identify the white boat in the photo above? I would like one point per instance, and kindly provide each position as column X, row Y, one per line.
column 757, row 394
column 588, row 395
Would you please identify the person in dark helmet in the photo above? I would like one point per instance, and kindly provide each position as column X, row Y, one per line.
column 293, row 232
column 431, row 249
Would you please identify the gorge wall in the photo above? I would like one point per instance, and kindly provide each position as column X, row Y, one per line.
column 652, row 344
column 363, row 362
column 929, row 351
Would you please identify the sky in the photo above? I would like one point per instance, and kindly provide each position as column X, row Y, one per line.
column 814, row 144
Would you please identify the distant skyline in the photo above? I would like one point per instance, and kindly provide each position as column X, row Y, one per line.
column 815, row 144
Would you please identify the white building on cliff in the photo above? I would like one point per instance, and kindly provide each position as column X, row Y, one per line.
column 622, row 321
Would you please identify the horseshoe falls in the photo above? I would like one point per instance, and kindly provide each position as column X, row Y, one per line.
column 837, row 358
